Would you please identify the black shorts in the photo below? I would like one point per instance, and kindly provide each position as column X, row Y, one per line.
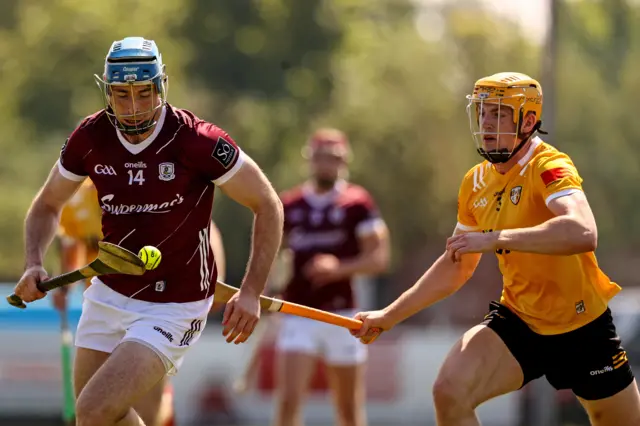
column 590, row 360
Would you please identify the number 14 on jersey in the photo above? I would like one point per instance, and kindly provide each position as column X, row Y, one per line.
column 137, row 178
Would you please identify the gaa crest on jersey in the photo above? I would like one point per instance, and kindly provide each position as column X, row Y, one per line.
column 516, row 192
column 316, row 217
column 166, row 171
column 336, row 215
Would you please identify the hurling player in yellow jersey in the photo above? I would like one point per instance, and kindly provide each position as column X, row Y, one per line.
column 524, row 203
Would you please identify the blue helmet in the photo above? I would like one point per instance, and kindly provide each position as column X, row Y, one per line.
column 129, row 62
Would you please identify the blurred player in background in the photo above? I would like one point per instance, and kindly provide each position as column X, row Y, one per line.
column 526, row 204
column 78, row 235
column 334, row 232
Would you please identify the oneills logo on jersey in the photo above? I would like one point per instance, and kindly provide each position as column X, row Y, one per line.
column 516, row 192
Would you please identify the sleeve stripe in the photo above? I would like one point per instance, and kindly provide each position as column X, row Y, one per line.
column 562, row 193
column 69, row 175
column 232, row 171
column 466, row 228
column 369, row 226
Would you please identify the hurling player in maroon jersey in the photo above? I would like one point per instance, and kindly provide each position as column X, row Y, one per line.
column 333, row 231
column 155, row 168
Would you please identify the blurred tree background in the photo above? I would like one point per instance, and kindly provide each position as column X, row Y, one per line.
column 393, row 74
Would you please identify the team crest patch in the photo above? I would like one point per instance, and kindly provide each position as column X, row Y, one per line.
column 516, row 192
column 336, row 215
column 224, row 152
column 166, row 171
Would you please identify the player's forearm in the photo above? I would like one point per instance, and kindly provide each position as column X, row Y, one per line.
column 441, row 280
column 40, row 227
column 267, row 236
column 561, row 235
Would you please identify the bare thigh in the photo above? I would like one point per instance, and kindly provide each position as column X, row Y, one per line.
column 479, row 367
column 129, row 373
column 294, row 370
column 87, row 362
column 621, row 409
column 348, row 387
column 148, row 406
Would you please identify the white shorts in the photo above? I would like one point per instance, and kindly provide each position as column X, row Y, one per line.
column 170, row 329
column 334, row 344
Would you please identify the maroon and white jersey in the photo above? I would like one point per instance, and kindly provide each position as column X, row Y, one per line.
column 329, row 223
column 158, row 192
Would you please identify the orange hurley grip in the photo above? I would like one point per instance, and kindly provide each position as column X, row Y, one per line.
column 319, row 315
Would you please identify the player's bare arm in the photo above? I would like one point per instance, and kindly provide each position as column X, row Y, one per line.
column 372, row 259
column 573, row 230
column 251, row 188
column 40, row 227
column 441, row 280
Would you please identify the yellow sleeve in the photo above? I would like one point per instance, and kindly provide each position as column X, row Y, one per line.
column 556, row 176
column 81, row 217
column 466, row 221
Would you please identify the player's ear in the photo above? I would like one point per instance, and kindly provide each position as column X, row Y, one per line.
column 528, row 123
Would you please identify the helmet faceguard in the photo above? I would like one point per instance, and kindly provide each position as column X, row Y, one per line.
column 130, row 63
column 516, row 92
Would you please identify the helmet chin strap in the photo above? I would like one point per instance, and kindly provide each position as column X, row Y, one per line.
column 144, row 127
column 499, row 156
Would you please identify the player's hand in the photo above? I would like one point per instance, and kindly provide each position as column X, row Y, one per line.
column 373, row 324
column 59, row 298
column 26, row 288
column 323, row 269
column 471, row 242
column 241, row 315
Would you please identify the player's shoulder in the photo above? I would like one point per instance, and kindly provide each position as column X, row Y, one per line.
column 91, row 124
column 474, row 178
column 292, row 195
column 547, row 155
column 355, row 194
column 196, row 125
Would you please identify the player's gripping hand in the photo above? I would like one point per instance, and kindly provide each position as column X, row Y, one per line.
column 471, row 242
column 373, row 324
column 26, row 288
column 241, row 315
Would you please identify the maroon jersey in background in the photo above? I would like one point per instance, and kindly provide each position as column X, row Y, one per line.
column 327, row 223
column 160, row 193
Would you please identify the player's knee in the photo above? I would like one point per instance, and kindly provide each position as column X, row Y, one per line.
column 92, row 412
column 348, row 412
column 449, row 393
column 289, row 404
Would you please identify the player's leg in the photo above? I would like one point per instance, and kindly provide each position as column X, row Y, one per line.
column 345, row 359
column 601, row 376
column 86, row 363
column 621, row 409
column 348, row 388
column 490, row 359
column 131, row 371
column 296, row 359
column 149, row 407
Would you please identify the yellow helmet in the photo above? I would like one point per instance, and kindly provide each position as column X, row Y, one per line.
column 514, row 90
